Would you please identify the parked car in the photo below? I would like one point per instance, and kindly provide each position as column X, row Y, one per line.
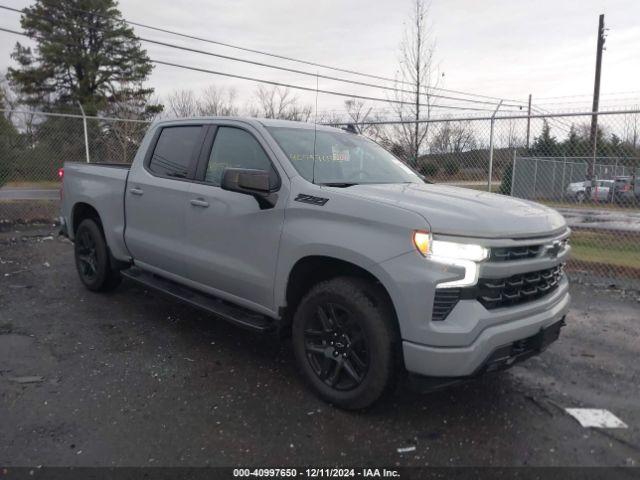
column 324, row 235
column 600, row 191
column 626, row 190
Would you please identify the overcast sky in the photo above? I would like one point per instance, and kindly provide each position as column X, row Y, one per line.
column 502, row 48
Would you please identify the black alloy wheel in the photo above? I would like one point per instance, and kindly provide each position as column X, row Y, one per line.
column 336, row 347
column 87, row 256
column 93, row 260
column 346, row 341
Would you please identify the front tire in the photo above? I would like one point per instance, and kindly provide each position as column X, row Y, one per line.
column 92, row 258
column 346, row 342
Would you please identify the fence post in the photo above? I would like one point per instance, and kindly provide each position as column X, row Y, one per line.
column 86, row 135
column 563, row 189
column 535, row 178
column 493, row 119
column 513, row 170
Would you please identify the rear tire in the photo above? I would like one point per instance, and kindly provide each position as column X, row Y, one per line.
column 346, row 342
column 92, row 258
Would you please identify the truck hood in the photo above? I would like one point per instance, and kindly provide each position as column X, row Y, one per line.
column 466, row 212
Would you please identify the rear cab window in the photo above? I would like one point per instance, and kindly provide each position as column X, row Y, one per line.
column 173, row 154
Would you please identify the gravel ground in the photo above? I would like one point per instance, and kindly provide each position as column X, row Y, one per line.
column 133, row 379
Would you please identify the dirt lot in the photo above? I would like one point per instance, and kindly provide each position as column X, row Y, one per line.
column 133, row 379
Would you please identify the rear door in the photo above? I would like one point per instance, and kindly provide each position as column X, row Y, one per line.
column 232, row 242
column 157, row 196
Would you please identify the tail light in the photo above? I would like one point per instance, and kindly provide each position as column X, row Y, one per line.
column 61, row 177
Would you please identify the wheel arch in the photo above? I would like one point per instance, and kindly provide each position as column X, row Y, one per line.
column 81, row 211
column 312, row 269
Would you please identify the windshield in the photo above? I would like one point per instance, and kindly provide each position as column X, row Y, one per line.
column 341, row 158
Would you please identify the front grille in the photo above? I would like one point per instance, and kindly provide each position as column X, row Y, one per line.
column 497, row 293
column 443, row 303
column 504, row 254
column 517, row 289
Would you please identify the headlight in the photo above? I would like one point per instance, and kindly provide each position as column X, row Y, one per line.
column 459, row 251
column 429, row 247
column 463, row 255
column 422, row 241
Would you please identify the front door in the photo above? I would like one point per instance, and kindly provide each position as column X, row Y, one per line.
column 232, row 242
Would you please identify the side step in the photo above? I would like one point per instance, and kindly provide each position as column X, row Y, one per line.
column 229, row 312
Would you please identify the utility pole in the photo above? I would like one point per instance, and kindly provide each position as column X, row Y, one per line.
column 596, row 99
column 528, row 121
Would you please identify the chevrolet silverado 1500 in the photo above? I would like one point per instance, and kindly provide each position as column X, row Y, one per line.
column 323, row 234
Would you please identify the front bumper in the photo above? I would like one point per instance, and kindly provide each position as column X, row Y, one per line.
column 444, row 361
column 502, row 358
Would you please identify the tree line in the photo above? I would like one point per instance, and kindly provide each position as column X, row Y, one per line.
column 87, row 57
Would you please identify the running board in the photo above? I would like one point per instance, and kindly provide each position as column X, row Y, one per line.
column 232, row 313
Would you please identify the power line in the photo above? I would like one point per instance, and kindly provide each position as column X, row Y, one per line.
column 590, row 95
column 287, row 85
column 260, row 52
column 276, row 67
column 310, row 89
column 566, row 126
column 602, row 113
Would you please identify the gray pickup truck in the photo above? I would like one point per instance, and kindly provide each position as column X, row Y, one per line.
column 323, row 235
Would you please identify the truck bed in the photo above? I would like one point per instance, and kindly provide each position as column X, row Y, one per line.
column 101, row 186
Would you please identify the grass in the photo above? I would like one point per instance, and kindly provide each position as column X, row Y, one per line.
column 27, row 211
column 586, row 206
column 590, row 246
column 44, row 184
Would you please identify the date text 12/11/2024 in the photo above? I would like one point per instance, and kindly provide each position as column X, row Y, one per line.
column 316, row 472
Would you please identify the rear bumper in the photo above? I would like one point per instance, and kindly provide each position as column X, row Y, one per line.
column 497, row 345
column 64, row 229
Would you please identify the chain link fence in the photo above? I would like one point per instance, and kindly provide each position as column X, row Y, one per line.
column 543, row 157
column 549, row 178
column 33, row 147
column 548, row 158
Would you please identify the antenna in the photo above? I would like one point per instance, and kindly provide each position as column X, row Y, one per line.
column 315, row 133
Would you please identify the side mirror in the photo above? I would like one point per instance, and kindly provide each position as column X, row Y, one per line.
column 250, row 182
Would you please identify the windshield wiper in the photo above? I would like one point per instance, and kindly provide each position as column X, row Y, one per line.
column 339, row 184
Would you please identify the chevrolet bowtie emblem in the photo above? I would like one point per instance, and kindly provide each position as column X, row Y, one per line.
column 554, row 248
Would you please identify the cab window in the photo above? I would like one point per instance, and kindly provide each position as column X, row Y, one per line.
column 237, row 148
column 174, row 150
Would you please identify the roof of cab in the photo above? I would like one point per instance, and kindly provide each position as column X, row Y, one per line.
column 266, row 122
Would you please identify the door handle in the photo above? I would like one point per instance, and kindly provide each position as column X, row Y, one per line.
column 198, row 202
column 136, row 191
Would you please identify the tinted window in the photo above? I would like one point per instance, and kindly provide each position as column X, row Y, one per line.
column 174, row 151
column 236, row 148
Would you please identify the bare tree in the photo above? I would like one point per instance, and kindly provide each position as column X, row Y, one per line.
column 182, row 103
column 121, row 138
column 632, row 130
column 415, row 78
column 330, row 118
column 210, row 101
column 453, row 137
column 510, row 137
column 359, row 112
column 279, row 102
column 219, row 102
